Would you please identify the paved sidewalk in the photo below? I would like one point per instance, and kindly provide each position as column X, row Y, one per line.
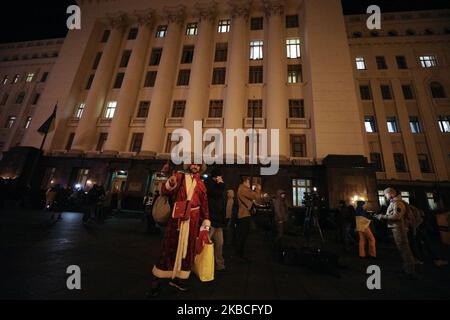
column 116, row 259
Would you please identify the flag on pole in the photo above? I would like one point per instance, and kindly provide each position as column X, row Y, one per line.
column 49, row 124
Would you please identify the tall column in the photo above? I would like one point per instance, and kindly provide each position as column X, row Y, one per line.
column 429, row 118
column 329, row 83
column 85, row 135
column 276, row 91
column 408, row 138
column 162, row 93
column 237, row 69
column 385, row 139
column 127, row 100
column 198, row 96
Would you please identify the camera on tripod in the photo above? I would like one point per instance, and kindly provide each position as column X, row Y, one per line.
column 312, row 200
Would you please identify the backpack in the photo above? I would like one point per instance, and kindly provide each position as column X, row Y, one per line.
column 414, row 216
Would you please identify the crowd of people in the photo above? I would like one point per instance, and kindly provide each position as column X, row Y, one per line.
column 412, row 231
column 94, row 203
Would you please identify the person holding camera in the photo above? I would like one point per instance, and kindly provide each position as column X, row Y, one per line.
column 247, row 199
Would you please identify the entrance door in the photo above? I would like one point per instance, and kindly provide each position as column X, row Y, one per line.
column 119, row 181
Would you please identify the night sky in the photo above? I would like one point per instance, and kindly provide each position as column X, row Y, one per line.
column 48, row 20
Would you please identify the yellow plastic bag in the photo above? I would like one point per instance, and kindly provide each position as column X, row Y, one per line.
column 204, row 264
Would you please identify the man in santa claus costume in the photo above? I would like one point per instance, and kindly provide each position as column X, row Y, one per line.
column 178, row 246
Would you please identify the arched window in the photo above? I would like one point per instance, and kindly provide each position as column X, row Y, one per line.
column 437, row 90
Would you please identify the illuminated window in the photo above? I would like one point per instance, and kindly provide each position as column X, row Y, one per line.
column 10, row 122
column 30, row 77
column 110, row 109
column 294, row 73
column 381, row 198
column 79, row 111
column 392, row 125
column 370, row 125
column 360, row 63
column 432, row 204
column 299, row 188
column 406, row 196
column 5, row 80
column 428, row 61
column 444, row 124
column 161, row 31
column 414, row 123
column 192, row 29
column 293, row 48
column 224, row 26
column 256, row 50
column 16, row 78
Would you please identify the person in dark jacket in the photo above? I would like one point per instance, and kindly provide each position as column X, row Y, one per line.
column 280, row 207
column 216, row 196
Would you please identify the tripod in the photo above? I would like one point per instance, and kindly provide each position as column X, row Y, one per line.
column 312, row 219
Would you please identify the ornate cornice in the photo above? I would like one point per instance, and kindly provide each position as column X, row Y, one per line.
column 239, row 8
column 175, row 14
column 119, row 20
column 273, row 7
column 145, row 17
column 206, row 11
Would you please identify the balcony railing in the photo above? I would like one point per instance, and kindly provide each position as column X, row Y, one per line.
column 213, row 123
column 73, row 122
column 174, row 122
column 260, row 123
column 138, row 122
column 104, row 122
column 298, row 123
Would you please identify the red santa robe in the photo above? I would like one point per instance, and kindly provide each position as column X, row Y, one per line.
column 178, row 246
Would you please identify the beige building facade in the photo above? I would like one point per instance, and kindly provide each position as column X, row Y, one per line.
column 137, row 71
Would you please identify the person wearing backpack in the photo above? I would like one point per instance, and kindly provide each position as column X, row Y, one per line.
column 396, row 218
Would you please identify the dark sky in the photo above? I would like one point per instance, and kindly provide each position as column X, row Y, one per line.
column 48, row 19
